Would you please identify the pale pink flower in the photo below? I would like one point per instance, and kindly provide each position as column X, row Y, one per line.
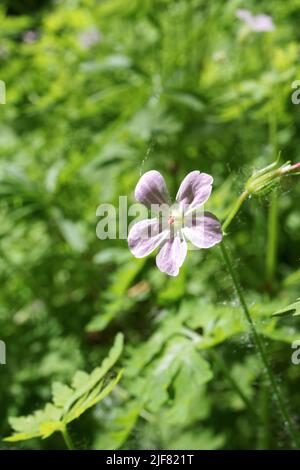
column 258, row 23
column 184, row 221
column 29, row 37
column 89, row 37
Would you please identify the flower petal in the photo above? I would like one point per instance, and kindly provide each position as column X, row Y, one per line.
column 263, row 23
column 244, row 15
column 258, row 23
column 195, row 189
column 205, row 231
column 152, row 189
column 144, row 237
column 171, row 255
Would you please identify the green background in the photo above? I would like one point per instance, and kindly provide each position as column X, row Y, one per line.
column 103, row 91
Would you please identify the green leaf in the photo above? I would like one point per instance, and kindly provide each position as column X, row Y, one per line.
column 72, row 234
column 92, row 399
column 292, row 309
column 69, row 402
column 121, row 422
column 60, row 393
column 181, row 363
column 189, row 100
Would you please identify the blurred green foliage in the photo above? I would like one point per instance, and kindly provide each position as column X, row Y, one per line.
column 98, row 92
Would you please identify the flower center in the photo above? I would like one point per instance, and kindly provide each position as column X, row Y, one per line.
column 171, row 220
column 176, row 217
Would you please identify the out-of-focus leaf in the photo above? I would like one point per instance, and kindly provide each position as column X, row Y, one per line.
column 72, row 234
column 121, row 423
column 116, row 298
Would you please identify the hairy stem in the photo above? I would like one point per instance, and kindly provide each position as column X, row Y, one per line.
column 263, row 403
column 276, row 392
column 272, row 231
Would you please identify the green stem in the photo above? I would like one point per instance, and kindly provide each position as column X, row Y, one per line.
column 235, row 209
column 263, row 436
column 261, row 349
column 272, row 238
column 67, row 439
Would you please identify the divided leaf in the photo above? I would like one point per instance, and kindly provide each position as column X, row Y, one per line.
column 69, row 402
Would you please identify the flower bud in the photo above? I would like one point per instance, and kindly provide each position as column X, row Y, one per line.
column 265, row 179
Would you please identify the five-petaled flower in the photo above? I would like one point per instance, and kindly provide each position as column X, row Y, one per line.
column 175, row 224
